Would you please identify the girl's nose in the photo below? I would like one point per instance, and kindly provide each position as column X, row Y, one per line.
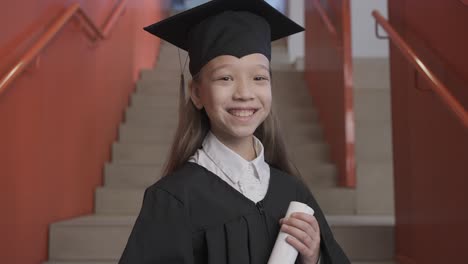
column 243, row 91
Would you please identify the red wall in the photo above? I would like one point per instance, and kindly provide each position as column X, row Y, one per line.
column 328, row 66
column 430, row 144
column 58, row 121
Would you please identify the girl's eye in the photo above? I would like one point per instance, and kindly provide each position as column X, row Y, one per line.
column 260, row 78
column 225, row 78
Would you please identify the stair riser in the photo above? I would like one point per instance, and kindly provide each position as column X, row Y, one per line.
column 168, row 84
column 167, row 118
column 366, row 243
column 87, row 242
column 162, row 74
column 131, row 176
column 307, row 153
column 154, row 135
column 140, row 154
column 154, row 101
column 371, row 73
column 374, row 142
column 371, row 105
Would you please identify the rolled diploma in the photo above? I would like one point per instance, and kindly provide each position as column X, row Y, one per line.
column 283, row 252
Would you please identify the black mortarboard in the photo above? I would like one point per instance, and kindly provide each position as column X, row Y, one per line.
column 225, row 27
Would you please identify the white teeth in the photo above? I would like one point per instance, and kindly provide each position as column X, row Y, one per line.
column 241, row 113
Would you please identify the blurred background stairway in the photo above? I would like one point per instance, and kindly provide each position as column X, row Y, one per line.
column 144, row 140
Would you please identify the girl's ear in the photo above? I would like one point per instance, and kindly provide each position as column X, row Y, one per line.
column 195, row 94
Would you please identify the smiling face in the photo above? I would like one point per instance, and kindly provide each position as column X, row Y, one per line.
column 236, row 94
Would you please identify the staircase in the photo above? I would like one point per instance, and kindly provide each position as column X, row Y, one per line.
column 364, row 232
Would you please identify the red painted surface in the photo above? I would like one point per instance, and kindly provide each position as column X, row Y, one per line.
column 430, row 144
column 58, row 121
column 328, row 73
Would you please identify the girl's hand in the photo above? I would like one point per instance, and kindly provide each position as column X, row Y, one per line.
column 304, row 236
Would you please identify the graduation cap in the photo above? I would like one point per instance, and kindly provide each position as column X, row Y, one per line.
column 225, row 27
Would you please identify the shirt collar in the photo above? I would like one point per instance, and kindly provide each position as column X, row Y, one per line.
column 231, row 163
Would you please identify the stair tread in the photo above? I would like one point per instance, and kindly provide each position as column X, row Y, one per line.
column 360, row 220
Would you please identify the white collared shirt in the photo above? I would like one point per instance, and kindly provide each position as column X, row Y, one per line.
column 250, row 178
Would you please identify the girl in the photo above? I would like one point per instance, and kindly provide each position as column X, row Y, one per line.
column 228, row 181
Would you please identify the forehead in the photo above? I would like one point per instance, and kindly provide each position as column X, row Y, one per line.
column 249, row 61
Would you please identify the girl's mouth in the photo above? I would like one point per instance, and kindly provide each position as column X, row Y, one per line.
column 244, row 113
column 241, row 113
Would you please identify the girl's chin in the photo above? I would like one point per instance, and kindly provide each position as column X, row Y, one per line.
column 239, row 132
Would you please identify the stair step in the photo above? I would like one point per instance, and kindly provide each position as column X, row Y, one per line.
column 131, row 176
column 103, row 238
column 309, row 152
column 134, row 133
column 302, row 132
column 365, row 238
column 117, row 201
column 374, row 141
column 148, row 101
column 371, row 73
column 292, row 101
column 300, row 114
column 372, row 105
column 149, row 154
column 161, row 76
column 375, row 188
column 164, row 117
column 97, row 238
column 335, row 200
column 319, row 174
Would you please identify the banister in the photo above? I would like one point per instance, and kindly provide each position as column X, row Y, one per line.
column 437, row 86
column 325, row 19
column 52, row 31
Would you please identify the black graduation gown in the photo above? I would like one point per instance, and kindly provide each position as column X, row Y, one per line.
column 192, row 217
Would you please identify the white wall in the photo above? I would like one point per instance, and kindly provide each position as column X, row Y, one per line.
column 364, row 41
column 278, row 4
column 296, row 11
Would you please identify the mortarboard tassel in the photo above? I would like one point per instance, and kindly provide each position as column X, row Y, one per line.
column 182, row 91
column 182, row 86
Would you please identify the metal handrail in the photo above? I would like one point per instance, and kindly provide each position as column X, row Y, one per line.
column 326, row 20
column 75, row 9
column 437, row 86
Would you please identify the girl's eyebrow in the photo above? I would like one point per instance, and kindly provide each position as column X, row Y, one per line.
column 228, row 65
column 219, row 68
column 264, row 67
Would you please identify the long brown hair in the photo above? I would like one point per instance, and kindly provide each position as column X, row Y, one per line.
column 194, row 125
